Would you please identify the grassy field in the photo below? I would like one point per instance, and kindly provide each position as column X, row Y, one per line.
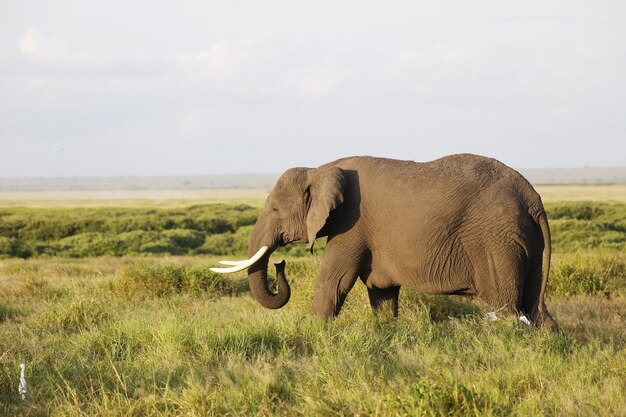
column 615, row 193
column 132, row 198
column 156, row 333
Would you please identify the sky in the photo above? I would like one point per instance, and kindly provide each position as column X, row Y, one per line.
column 140, row 88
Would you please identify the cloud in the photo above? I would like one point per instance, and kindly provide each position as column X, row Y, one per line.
column 228, row 61
column 50, row 49
column 430, row 60
column 260, row 66
column 439, row 73
column 39, row 47
column 222, row 60
column 317, row 81
column 45, row 55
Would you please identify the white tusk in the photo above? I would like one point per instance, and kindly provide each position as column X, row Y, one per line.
column 243, row 265
column 233, row 263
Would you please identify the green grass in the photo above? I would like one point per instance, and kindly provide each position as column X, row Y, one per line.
column 83, row 232
column 588, row 272
column 162, row 335
column 587, row 225
column 222, row 229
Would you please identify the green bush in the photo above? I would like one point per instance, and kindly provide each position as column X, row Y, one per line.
column 571, row 234
column 89, row 244
column 227, row 243
column 82, row 232
column 575, row 275
column 164, row 280
column 222, row 244
column 587, row 225
column 184, row 238
column 220, row 229
column 14, row 248
column 578, row 211
column 48, row 224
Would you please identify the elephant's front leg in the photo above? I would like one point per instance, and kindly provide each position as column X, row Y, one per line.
column 384, row 298
column 338, row 273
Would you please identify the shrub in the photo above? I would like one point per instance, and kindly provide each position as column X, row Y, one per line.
column 222, row 244
column 227, row 243
column 571, row 234
column 587, row 275
column 578, row 211
column 14, row 248
column 165, row 280
column 220, row 229
column 184, row 238
column 90, row 244
column 80, row 232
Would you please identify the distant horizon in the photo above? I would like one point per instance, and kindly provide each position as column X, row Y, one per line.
column 553, row 176
column 267, row 173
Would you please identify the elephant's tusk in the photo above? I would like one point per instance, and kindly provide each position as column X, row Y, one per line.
column 243, row 265
column 233, row 263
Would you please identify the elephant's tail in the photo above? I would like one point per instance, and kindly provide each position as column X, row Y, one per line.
column 539, row 313
column 542, row 220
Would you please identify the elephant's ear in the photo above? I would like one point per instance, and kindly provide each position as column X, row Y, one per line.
column 326, row 187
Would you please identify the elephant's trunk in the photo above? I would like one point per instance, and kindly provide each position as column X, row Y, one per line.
column 257, row 278
column 257, row 273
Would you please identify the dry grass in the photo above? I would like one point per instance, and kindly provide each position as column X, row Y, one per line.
column 90, row 349
column 131, row 198
column 614, row 193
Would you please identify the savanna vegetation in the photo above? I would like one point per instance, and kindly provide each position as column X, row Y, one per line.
column 82, row 232
column 112, row 316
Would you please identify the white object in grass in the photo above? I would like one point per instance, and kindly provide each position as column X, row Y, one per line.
column 22, row 388
column 524, row 319
column 492, row 316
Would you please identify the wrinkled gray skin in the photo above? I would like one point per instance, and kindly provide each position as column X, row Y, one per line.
column 462, row 224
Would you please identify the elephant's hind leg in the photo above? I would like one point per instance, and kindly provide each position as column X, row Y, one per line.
column 502, row 278
column 538, row 314
column 384, row 298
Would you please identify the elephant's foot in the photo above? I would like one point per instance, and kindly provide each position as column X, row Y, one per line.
column 543, row 318
column 327, row 303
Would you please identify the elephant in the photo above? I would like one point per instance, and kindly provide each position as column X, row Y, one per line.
column 463, row 224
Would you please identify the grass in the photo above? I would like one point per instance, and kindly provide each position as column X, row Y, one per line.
column 222, row 229
column 613, row 193
column 590, row 272
column 81, row 232
column 161, row 335
column 94, row 344
column 132, row 198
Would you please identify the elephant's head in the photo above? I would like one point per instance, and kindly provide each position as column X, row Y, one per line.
column 295, row 212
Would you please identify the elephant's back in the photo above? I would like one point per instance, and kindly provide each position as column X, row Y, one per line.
column 462, row 167
column 498, row 203
column 476, row 169
column 493, row 183
column 460, row 178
